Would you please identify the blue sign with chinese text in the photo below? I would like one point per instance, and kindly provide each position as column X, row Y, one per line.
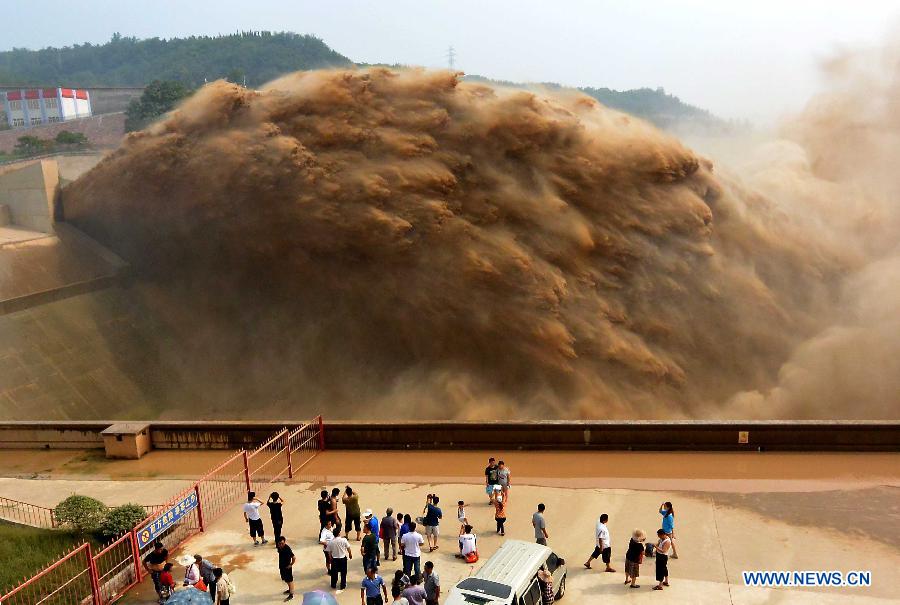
column 167, row 519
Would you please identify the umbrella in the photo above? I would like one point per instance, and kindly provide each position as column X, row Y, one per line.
column 189, row 595
column 318, row 597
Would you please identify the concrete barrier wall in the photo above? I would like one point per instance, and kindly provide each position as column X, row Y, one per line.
column 29, row 192
column 595, row 435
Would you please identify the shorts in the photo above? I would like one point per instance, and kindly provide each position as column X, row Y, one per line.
column 433, row 530
column 632, row 569
column 256, row 528
column 541, row 541
column 489, row 490
column 662, row 567
column 353, row 521
column 606, row 553
column 287, row 574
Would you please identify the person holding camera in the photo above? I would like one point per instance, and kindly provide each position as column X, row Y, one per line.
column 432, row 521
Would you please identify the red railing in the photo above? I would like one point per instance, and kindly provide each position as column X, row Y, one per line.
column 24, row 513
column 81, row 578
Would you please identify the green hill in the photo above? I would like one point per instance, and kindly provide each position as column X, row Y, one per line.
column 124, row 61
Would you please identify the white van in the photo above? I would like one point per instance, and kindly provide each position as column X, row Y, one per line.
column 510, row 577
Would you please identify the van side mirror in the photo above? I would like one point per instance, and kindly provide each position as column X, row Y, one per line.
column 560, row 562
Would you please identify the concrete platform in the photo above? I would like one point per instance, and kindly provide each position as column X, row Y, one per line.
column 735, row 512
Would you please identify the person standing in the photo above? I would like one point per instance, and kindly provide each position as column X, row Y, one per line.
column 166, row 582
column 154, row 563
column 333, row 512
column 433, row 516
column 399, row 599
column 339, row 549
column 251, row 516
column 191, row 570
column 603, row 548
column 325, row 538
column 634, row 556
column 461, row 515
column 372, row 588
column 662, row 548
column 504, row 479
column 414, row 593
column 404, row 527
column 351, row 510
column 411, row 547
column 223, row 587
column 369, row 548
column 274, row 504
column 500, row 513
column 389, row 529
column 668, row 524
column 540, row 525
column 286, row 560
column 545, row 581
column 207, row 573
column 490, row 479
column 431, row 582
column 324, row 505
column 372, row 521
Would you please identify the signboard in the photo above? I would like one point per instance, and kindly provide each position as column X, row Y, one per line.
column 166, row 519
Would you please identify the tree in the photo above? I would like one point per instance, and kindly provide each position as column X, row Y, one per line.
column 82, row 513
column 157, row 99
column 121, row 519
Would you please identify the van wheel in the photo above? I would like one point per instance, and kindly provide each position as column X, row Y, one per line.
column 562, row 589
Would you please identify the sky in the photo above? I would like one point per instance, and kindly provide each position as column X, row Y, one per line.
column 744, row 60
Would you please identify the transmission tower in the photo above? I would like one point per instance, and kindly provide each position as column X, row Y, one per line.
column 451, row 57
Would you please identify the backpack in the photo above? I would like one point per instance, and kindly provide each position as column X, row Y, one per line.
column 648, row 550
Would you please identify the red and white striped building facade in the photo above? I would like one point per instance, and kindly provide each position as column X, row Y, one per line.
column 31, row 107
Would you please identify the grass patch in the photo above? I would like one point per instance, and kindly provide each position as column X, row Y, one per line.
column 25, row 550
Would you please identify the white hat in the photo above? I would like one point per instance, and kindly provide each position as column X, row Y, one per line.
column 185, row 560
column 368, row 513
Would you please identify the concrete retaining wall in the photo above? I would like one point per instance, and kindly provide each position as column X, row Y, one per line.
column 591, row 435
column 105, row 131
column 29, row 191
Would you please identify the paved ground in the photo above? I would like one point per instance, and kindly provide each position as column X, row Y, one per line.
column 735, row 512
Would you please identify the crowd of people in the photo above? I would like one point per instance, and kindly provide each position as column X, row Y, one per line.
column 407, row 535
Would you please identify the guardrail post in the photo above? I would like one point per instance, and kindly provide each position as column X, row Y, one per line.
column 136, row 551
column 290, row 466
column 247, row 471
column 199, row 506
column 92, row 572
column 321, row 434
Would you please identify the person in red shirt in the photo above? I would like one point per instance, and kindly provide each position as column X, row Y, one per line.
column 166, row 583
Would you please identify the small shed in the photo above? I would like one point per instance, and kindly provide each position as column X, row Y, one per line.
column 127, row 440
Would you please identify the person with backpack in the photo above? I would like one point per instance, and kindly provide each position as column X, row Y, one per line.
column 224, row 588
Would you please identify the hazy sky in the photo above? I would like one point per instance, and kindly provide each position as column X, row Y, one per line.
column 751, row 59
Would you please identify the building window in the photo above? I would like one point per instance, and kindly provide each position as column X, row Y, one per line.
column 53, row 119
column 15, row 105
column 35, row 121
column 18, row 122
column 50, row 103
column 34, row 103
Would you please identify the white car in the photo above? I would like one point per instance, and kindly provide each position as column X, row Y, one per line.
column 510, row 577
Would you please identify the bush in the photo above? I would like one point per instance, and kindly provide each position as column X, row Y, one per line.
column 121, row 519
column 81, row 513
column 65, row 137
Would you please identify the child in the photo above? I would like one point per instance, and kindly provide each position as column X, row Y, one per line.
column 634, row 557
column 500, row 513
column 461, row 516
column 166, row 583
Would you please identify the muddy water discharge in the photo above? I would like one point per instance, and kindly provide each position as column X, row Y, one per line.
column 402, row 244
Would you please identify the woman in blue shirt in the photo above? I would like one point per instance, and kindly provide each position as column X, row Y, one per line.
column 668, row 524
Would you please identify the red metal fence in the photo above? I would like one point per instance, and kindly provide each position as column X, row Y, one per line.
column 24, row 513
column 81, row 578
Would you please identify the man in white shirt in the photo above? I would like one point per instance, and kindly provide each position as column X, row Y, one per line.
column 325, row 538
column 339, row 549
column 411, row 547
column 251, row 516
column 467, row 542
column 603, row 547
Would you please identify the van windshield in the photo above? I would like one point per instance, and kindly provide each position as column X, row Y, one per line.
column 485, row 587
